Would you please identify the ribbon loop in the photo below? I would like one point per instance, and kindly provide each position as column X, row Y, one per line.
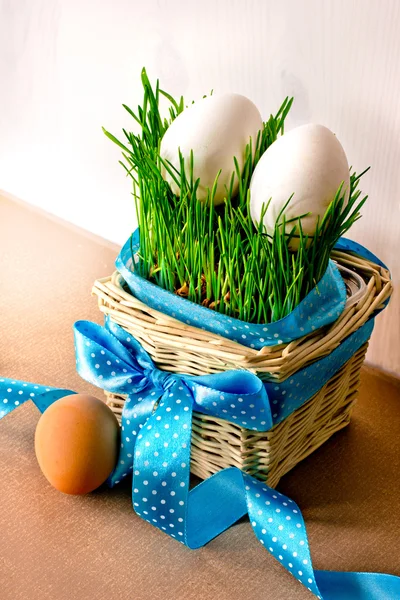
column 236, row 396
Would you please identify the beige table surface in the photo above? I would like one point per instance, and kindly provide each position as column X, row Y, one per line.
column 60, row 547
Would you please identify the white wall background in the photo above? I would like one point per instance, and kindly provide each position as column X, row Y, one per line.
column 66, row 66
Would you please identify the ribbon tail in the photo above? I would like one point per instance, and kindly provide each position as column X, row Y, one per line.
column 14, row 393
column 213, row 506
column 279, row 526
column 43, row 401
column 137, row 409
column 218, row 502
column 335, row 585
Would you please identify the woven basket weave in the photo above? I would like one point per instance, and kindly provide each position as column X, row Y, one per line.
column 216, row 444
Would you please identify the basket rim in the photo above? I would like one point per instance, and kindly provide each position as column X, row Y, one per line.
column 118, row 285
column 178, row 347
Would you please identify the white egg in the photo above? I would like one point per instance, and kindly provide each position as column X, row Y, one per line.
column 308, row 162
column 217, row 129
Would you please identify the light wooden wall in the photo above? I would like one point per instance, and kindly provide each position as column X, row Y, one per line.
column 67, row 65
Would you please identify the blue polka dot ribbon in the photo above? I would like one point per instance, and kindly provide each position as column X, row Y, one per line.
column 14, row 393
column 155, row 445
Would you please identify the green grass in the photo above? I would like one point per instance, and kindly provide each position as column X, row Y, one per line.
column 215, row 256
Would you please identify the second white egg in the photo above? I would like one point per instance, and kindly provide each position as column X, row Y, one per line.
column 216, row 129
column 309, row 163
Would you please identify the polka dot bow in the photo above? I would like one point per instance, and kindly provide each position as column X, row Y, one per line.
column 112, row 359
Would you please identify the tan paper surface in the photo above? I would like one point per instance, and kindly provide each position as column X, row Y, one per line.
column 59, row 547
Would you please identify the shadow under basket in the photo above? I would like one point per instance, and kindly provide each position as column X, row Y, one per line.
column 180, row 348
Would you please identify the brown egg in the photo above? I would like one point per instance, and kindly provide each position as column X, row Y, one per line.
column 76, row 443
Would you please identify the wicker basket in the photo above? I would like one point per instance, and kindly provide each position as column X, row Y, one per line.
column 216, row 444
